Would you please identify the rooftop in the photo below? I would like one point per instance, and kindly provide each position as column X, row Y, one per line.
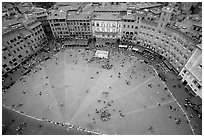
column 167, row 9
column 103, row 8
column 152, row 23
column 85, row 12
column 78, row 16
column 155, row 11
column 31, row 22
column 40, row 12
column 89, row 9
column 6, row 30
column 195, row 19
column 61, row 13
column 130, row 17
column 144, row 5
column 62, row 3
column 190, row 39
column 11, row 24
column 25, row 32
column 71, row 5
column 25, row 8
column 106, row 16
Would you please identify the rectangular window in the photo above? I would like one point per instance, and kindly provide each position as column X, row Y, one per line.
column 199, row 86
column 4, row 66
column 10, row 62
column 194, row 81
column 15, row 64
column 13, row 60
column 11, row 41
column 20, row 56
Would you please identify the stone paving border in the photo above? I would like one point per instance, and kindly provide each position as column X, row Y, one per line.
column 176, row 102
column 52, row 122
column 181, row 109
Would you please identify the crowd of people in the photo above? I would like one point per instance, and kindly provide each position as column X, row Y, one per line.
column 107, row 66
column 194, row 106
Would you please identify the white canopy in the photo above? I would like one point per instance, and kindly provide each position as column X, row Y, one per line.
column 135, row 49
column 122, row 46
column 101, row 54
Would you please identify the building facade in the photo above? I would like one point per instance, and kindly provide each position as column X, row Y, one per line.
column 152, row 33
column 21, row 41
column 58, row 24
column 15, row 49
column 129, row 27
column 191, row 73
column 107, row 26
column 106, row 7
column 79, row 26
column 42, row 15
column 35, row 36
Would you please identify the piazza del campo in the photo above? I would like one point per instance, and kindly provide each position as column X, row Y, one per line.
column 102, row 68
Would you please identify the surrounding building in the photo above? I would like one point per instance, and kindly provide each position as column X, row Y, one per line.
column 21, row 38
column 137, row 6
column 152, row 32
column 79, row 22
column 42, row 14
column 105, row 7
column 192, row 71
column 34, row 35
column 8, row 10
column 14, row 49
column 172, row 30
column 129, row 27
column 107, row 26
column 58, row 24
column 79, row 26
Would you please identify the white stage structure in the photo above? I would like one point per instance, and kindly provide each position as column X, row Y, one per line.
column 101, row 54
column 123, row 46
column 135, row 49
